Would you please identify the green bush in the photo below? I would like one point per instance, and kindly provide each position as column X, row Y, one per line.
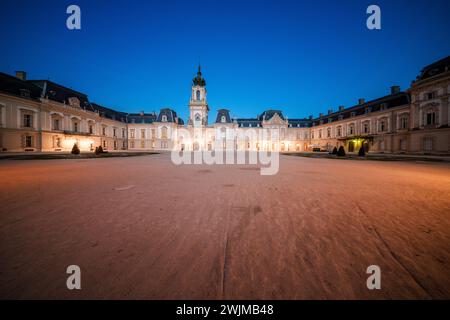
column 341, row 152
column 75, row 149
column 335, row 151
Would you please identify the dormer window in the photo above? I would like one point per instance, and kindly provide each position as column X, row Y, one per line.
column 74, row 102
column 223, row 119
column 367, row 110
column 25, row 93
column 164, row 118
column 341, row 116
column 330, row 120
column 353, row 114
column 383, row 106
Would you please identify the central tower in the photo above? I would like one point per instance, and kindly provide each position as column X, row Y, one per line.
column 198, row 106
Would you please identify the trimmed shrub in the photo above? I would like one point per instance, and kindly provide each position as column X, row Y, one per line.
column 335, row 151
column 98, row 150
column 341, row 152
column 361, row 152
column 75, row 149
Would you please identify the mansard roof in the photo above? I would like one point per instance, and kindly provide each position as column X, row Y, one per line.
column 299, row 123
column 268, row 114
column 109, row 113
column 221, row 113
column 387, row 102
column 434, row 69
column 169, row 113
column 59, row 93
column 247, row 123
column 141, row 117
column 17, row 87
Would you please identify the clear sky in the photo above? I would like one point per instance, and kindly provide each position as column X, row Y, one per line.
column 299, row 56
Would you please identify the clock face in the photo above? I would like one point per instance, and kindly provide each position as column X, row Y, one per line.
column 197, row 117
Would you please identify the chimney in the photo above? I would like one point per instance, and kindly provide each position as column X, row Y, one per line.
column 22, row 75
column 341, row 108
column 330, row 111
column 361, row 101
column 395, row 89
column 320, row 115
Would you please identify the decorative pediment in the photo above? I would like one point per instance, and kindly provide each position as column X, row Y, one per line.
column 74, row 102
column 431, row 104
column 276, row 119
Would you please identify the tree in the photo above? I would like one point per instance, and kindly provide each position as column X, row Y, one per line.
column 75, row 149
column 361, row 152
column 341, row 152
column 335, row 151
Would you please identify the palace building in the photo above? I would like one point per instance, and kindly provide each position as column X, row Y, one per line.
column 43, row 116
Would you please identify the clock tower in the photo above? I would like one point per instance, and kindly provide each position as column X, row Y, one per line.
column 198, row 107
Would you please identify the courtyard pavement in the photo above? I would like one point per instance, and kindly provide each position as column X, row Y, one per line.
column 142, row 227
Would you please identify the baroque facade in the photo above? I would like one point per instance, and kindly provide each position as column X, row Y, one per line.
column 42, row 116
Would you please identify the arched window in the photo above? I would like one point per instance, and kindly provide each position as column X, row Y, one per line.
column 197, row 117
column 164, row 118
column 197, row 95
column 223, row 119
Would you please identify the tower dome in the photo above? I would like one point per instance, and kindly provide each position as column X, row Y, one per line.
column 199, row 80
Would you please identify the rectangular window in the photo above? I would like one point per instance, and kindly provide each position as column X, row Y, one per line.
column 142, row 133
column 132, row 144
column 104, row 131
column 28, row 141
column 427, row 144
column 114, row 132
column 91, row 129
column 431, row 118
column 75, row 126
column 142, row 144
column 27, row 120
column 132, row 134
column 56, row 124
column 404, row 123
column 430, row 95
column 123, row 134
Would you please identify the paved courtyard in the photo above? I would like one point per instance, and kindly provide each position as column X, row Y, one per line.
column 142, row 227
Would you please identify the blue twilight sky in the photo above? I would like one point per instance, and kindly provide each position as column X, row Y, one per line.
column 299, row 56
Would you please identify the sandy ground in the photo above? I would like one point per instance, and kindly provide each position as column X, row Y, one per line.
column 144, row 228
